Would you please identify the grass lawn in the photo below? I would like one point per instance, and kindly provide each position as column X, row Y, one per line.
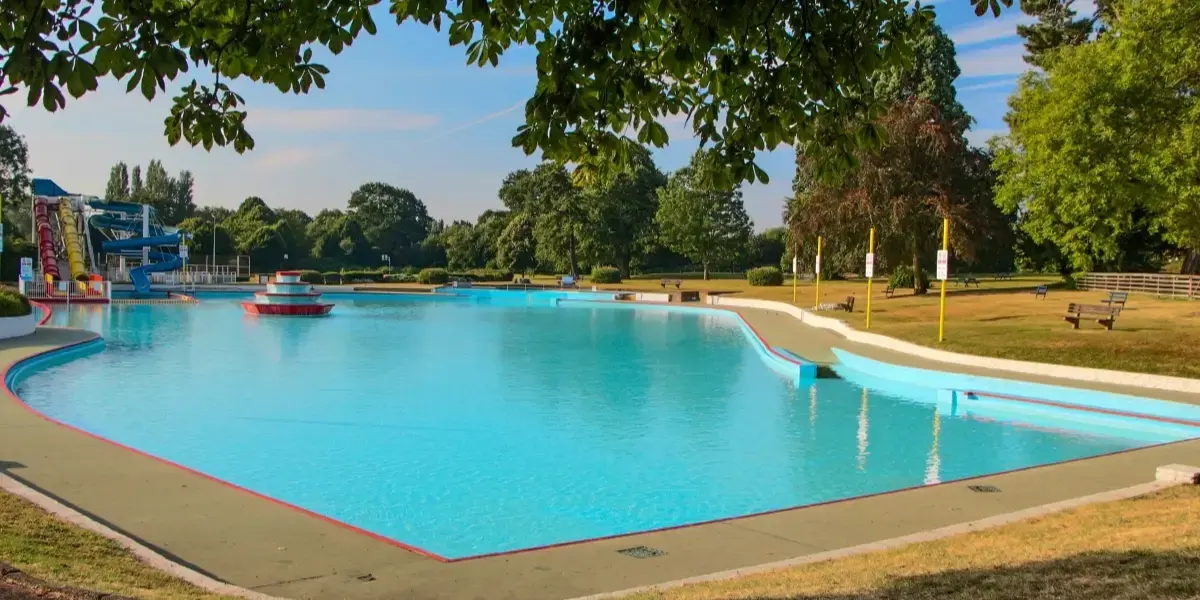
column 44, row 547
column 1144, row 548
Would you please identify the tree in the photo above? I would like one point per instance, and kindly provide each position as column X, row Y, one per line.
column 516, row 249
column 393, row 219
column 462, row 249
column 488, row 229
column 157, row 190
column 930, row 76
column 179, row 204
column 201, row 243
column 136, row 187
column 293, row 227
column 334, row 235
column 705, row 224
column 212, row 213
column 768, row 247
column 548, row 196
column 14, row 178
column 1090, row 160
column 620, row 213
column 117, row 189
column 1056, row 27
column 925, row 172
column 751, row 74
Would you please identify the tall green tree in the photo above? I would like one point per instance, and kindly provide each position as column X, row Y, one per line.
column 707, row 225
column 158, row 189
column 201, row 243
column 1057, row 25
column 462, row 248
column 137, row 186
column 336, row 236
column 488, row 229
column 751, row 74
column 1090, row 160
column 620, row 213
column 393, row 219
column 548, row 195
column 929, row 76
column 516, row 248
column 14, row 179
column 293, row 227
column 117, row 189
column 768, row 247
column 180, row 203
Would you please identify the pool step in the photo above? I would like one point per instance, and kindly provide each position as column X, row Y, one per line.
column 173, row 300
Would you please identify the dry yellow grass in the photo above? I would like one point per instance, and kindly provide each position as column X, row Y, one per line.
column 44, row 547
column 1145, row 548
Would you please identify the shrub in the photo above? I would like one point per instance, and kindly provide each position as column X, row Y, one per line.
column 362, row 276
column 606, row 275
column 489, row 275
column 902, row 277
column 765, row 276
column 13, row 304
column 314, row 277
column 400, row 278
column 433, row 276
column 332, row 277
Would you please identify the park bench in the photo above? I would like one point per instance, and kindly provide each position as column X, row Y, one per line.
column 567, row 281
column 848, row 305
column 967, row 280
column 1040, row 292
column 1116, row 299
column 891, row 289
column 1106, row 315
column 665, row 282
column 1003, row 276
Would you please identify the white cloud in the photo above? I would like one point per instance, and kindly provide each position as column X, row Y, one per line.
column 338, row 119
column 988, row 29
column 298, row 156
column 979, row 137
column 470, row 124
column 999, row 60
column 987, row 85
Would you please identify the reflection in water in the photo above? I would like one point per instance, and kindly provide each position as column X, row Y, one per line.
column 862, row 433
column 933, row 464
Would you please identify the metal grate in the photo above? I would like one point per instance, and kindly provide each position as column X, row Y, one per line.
column 983, row 488
column 641, row 552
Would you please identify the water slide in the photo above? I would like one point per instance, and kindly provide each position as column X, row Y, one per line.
column 45, row 236
column 67, row 221
column 140, row 276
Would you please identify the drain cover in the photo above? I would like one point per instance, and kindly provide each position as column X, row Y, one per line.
column 641, row 552
column 983, row 488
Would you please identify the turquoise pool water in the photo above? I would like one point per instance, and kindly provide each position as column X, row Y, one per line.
column 466, row 426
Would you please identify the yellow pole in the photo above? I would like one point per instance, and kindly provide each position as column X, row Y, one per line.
column 817, row 275
column 872, row 277
column 945, row 248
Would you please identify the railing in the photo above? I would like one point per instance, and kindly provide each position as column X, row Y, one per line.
column 67, row 291
column 1163, row 285
column 221, row 274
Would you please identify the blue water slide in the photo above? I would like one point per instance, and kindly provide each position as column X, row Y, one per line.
column 135, row 225
column 140, row 276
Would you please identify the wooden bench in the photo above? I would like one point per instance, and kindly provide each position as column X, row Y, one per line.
column 889, row 291
column 1040, row 292
column 967, row 280
column 1116, row 299
column 1004, row 276
column 1106, row 315
column 665, row 282
column 848, row 305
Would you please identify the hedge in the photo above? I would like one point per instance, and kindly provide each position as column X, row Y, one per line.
column 765, row 276
column 606, row 275
column 13, row 304
column 433, row 276
column 400, row 278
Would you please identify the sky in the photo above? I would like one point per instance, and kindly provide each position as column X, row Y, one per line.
column 402, row 107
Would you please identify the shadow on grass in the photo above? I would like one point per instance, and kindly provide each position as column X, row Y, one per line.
column 1151, row 575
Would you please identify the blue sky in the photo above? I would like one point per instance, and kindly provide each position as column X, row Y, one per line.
column 402, row 107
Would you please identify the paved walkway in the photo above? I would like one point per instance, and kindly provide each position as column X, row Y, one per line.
column 257, row 544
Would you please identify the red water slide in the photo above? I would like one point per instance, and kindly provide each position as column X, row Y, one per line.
column 45, row 238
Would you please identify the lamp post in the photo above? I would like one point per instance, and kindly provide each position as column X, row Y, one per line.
column 214, row 248
column 388, row 260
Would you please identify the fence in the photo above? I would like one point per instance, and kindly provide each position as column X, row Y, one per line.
column 1162, row 285
column 192, row 275
column 67, row 291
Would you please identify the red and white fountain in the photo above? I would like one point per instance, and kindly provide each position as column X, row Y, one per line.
column 287, row 296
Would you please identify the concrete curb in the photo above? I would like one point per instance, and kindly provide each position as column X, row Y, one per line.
column 924, row 536
column 1144, row 380
column 143, row 553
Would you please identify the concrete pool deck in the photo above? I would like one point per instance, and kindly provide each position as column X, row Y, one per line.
column 255, row 543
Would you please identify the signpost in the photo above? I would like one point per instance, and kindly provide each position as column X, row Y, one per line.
column 943, row 273
column 795, row 274
column 27, row 269
column 818, row 274
column 870, row 273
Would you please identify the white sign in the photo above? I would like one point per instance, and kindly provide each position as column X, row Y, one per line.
column 794, row 264
column 183, row 252
column 870, row 265
column 818, row 264
column 26, row 269
column 943, row 265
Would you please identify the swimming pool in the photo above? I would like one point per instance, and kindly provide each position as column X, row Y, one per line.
column 478, row 424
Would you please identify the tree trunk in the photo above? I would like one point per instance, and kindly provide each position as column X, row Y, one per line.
column 920, row 286
column 706, row 270
column 571, row 252
column 1191, row 264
